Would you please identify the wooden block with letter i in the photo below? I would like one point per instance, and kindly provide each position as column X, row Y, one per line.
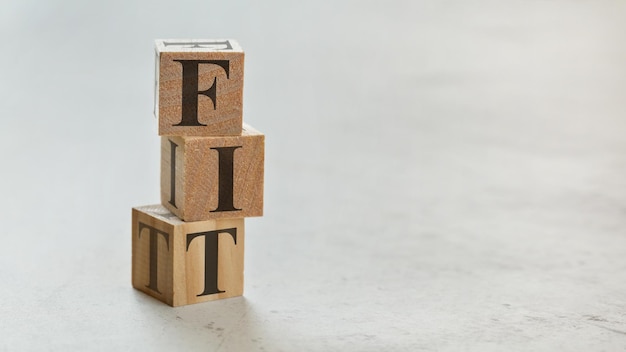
column 182, row 263
column 205, row 178
column 199, row 87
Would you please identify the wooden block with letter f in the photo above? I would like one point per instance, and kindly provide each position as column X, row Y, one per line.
column 205, row 178
column 182, row 263
column 199, row 87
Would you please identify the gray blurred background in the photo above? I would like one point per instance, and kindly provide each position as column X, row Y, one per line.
column 440, row 175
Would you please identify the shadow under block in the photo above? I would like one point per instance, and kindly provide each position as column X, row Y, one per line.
column 206, row 178
column 199, row 87
column 182, row 263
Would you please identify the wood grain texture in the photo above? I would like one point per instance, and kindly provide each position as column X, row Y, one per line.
column 195, row 192
column 222, row 118
column 180, row 271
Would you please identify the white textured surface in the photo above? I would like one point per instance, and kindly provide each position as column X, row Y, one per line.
column 439, row 176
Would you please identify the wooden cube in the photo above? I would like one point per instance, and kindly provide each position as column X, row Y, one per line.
column 205, row 178
column 199, row 87
column 182, row 263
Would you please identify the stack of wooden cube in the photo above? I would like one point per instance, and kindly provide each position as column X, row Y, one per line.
column 190, row 248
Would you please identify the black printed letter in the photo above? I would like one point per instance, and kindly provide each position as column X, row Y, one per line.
column 173, row 147
column 210, row 257
column 191, row 92
column 152, row 284
column 226, row 156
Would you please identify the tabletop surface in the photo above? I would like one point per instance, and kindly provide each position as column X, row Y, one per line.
column 439, row 176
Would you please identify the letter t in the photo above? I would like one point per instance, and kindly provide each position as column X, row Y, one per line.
column 211, row 241
column 152, row 284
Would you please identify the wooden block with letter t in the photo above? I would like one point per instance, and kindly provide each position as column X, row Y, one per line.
column 205, row 178
column 182, row 263
column 199, row 87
